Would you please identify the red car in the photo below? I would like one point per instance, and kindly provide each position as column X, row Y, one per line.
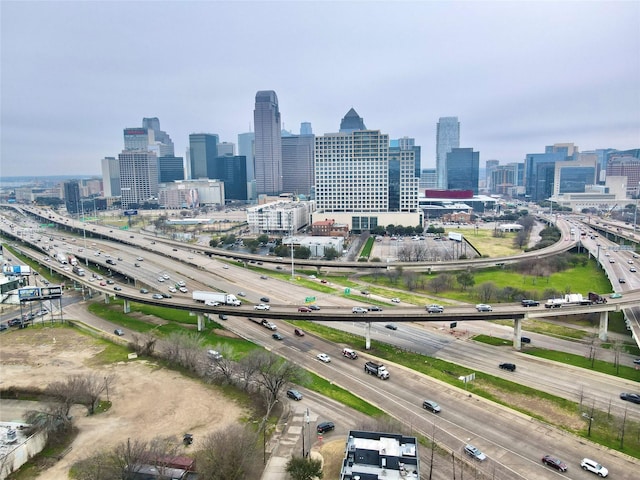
column 304, row 309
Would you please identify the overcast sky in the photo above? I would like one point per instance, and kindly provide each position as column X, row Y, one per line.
column 518, row 75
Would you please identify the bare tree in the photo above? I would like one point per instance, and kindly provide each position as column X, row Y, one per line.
column 143, row 344
column 486, row 291
column 248, row 368
column 53, row 419
column 184, row 349
column 273, row 375
column 230, row 454
column 93, row 387
column 67, row 392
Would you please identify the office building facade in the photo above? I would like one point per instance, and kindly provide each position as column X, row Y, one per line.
column 447, row 138
column 539, row 173
column 72, row 196
column 203, row 147
column 463, row 166
column 138, row 177
column 268, row 143
column 170, row 169
column 110, row 177
column 232, row 171
column 297, row 164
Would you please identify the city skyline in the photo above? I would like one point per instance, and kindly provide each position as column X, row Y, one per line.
column 518, row 76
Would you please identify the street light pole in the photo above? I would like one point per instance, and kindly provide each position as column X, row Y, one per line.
column 291, row 240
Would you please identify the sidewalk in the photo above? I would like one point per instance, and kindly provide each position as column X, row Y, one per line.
column 287, row 441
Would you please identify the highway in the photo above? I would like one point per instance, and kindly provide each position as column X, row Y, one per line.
column 514, row 443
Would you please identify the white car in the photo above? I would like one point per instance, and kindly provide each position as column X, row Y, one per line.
column 594, row 467
column 395, row 300
column 166, row 276
column 139, row 259
column 211, row 303
column 160, row 279
column 262, row 306
column 184, row 289
column 323, row 357
column 358, row 310
column 172, row 290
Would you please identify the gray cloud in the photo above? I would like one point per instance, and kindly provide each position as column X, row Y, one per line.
column 519, row 75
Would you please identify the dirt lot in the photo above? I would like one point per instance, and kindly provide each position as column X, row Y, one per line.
column 147, row 401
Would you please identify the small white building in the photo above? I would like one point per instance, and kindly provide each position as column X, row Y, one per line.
column 316, row 244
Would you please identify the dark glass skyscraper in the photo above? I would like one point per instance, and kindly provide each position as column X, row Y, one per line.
column 268, row 143
column 72, row 196
column 232, row 170
column 352, row 122
column 297, row 164
column 463, row 168
column 202, row 148
column 170, row 169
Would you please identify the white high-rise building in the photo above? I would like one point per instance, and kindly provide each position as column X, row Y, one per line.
column 110, row 177
column 138, row 177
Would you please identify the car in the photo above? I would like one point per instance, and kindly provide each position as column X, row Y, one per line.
column 435, row 309
column 264, row 277
column 630, row 397
column 508, row 366
column 324, row 281
column 633, row 269
column 136, row 264
column 157, row 296
column 611, row 260
column 474, row 452
column 265, row 300
column 166, row 276
column 110, row 282
column 242, row 294
column 14, row 321
column 261, row 306
column 630, row 262
column 395, row 300
column 358, row 310
column 637, row 361
column 3, row 327
column 374, row 308
column 166, row 295
column 298, row 332
column 144, row 290
column 160, row 279
column 175, row 249
column 103, row 284
column 529, row 303
column 214, row 355
column 323, row 357
column 172, row 289
column 431, row 406
column 391, row 326
column 139, row 259
column 365, row 292
column 267, row 324
column 184, row 289
column 180, row 283
column 325, row 427
column 294, row 394
column 622, row 280
column 594, row 467
column 314, row 307
column 482, row 307
column 615, row 295
column 119, row 332
column 277, row 336
column 554, row 462
column 211, row 303
column 117, row 288
column 226, row 267
column 222, row 316
column 525, row 339
column 278, row 267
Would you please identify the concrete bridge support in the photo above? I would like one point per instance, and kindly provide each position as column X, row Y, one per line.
column 604, row 325
column 126, row 306
column 200, row 322
column 517, row 332
column 367, row 335
column 106, row 298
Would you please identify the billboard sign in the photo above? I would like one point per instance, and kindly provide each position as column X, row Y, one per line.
column 130, row 212
column 39, row 293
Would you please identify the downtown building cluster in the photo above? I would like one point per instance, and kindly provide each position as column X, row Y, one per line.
column 356, row 176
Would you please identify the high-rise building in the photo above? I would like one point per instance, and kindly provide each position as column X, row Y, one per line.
column 149, row 137
column 305, row 128
column 232, row 170
column 297, row 164
column 351, row 122
column 246, row 148
column 447, row 138
column 268, row 143
column 170, row 169
column 402, row 176
column 110, row 177
column 428, row 179
column 203, row 147
column 138, row 177
column 226, row 149
column 574, row 176
column 621, row 164
column 72, row 196
column 490, row 166
column 136, row 138
column 407, row 143
column 505, row 179
column 463, row 167
column 539, row 170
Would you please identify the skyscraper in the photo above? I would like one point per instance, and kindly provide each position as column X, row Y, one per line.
column 268, row 143
column 138, row 177
column 170, row 169
column 72, row 196
column 351, row 122
column 305, row 128
column 297, row 164
column 232, row 170
column 110, row 177
column 149, row 137
column 447, row 138
column 463, row 166
column 202, row 148
column 246, row 148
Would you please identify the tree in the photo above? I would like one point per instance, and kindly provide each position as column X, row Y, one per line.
column 465, row 279
column 252, row 245
column 230, row 454
column 302, row 252
column 304, row 468
column 273, row 375
column 264, row 238
column 331, row 253
column 486, row 291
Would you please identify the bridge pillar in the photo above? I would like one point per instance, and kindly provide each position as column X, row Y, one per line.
column 604, row 324
column 126, row 306
column 200, row 322
column 106, row 298
column 367, row 335
column 517, row 332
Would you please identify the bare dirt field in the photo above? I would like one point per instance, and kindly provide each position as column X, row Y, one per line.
column 147, row 401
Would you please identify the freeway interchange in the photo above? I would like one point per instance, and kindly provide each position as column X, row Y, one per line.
column 513, row 442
